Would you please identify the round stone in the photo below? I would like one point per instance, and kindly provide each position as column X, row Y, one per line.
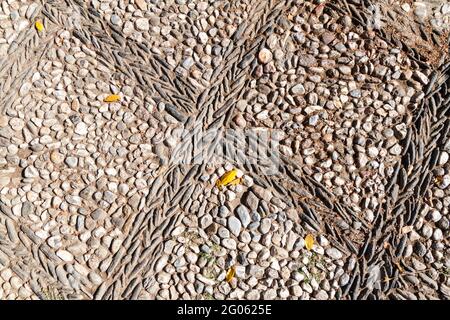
column 435, row 215
column 30, row 172
column 16, row 124
column 56, row 157
column 333, row 253
column 443, row 158
column 71, row 162
column 265, row 225
column 65, row 255
column 234, row 225
column 244, row 215
column 427, row 231
column 437, row 235
column 81, row 129
column 142, row 24
column 265, row 56
column 202, row 37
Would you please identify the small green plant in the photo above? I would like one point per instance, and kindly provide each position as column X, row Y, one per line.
column 445, row 272
column 211, row 255
column 191, row 236
column 207, row 296
column 316, row 265
column 52, row 293
column 210, row 272
column 306, row 279
column 208, row 256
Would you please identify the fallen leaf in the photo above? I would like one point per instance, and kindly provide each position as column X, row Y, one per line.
column 309, row 241
column 39, row 26
column 227, row 178
column 112, row 98
column 230, row 274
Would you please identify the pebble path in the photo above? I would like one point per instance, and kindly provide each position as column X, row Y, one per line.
column 93, row 207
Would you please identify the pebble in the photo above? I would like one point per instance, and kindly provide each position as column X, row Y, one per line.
column 141, row 4
column 438, row 235
column 265, row 56
column 244, row 215
column 65, row 255
column 31, row 172
column 298, row 89
column 427, row 231
column 24, row 89
column 115, row 20
column 142, row 24
column 333, row 253
column 203, row 37
column 265, row 225
column 443, row 158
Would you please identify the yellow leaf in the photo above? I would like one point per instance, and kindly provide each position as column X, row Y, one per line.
column 112, row 98
column 227, row 178
column 39, row 26
column 439, row 179
column 230, row 274
column 309, row 241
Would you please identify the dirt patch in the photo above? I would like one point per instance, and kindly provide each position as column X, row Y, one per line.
column 403, row 26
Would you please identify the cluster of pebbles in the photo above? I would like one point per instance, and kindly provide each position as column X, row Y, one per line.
column 256, row 233
column 191, row 35
column 15, row 17
column 77, row 173
column 341, row 101
column 434, row 12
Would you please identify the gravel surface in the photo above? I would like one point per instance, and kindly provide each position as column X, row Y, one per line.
column 99, row 99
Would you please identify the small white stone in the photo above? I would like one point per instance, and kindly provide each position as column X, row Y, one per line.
column 141, row 4
column 406, row 7
column 42, row 234
column 65, row 255
column 396, row 150
column 445, row 9
column 203, row 37
column 71, row 161
column 24, row 89
column 142, row 24
column 6, row 274
column 443, row 158
column 16, row 124
column 372, row 152
column 54, row 241
column 31, row 172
